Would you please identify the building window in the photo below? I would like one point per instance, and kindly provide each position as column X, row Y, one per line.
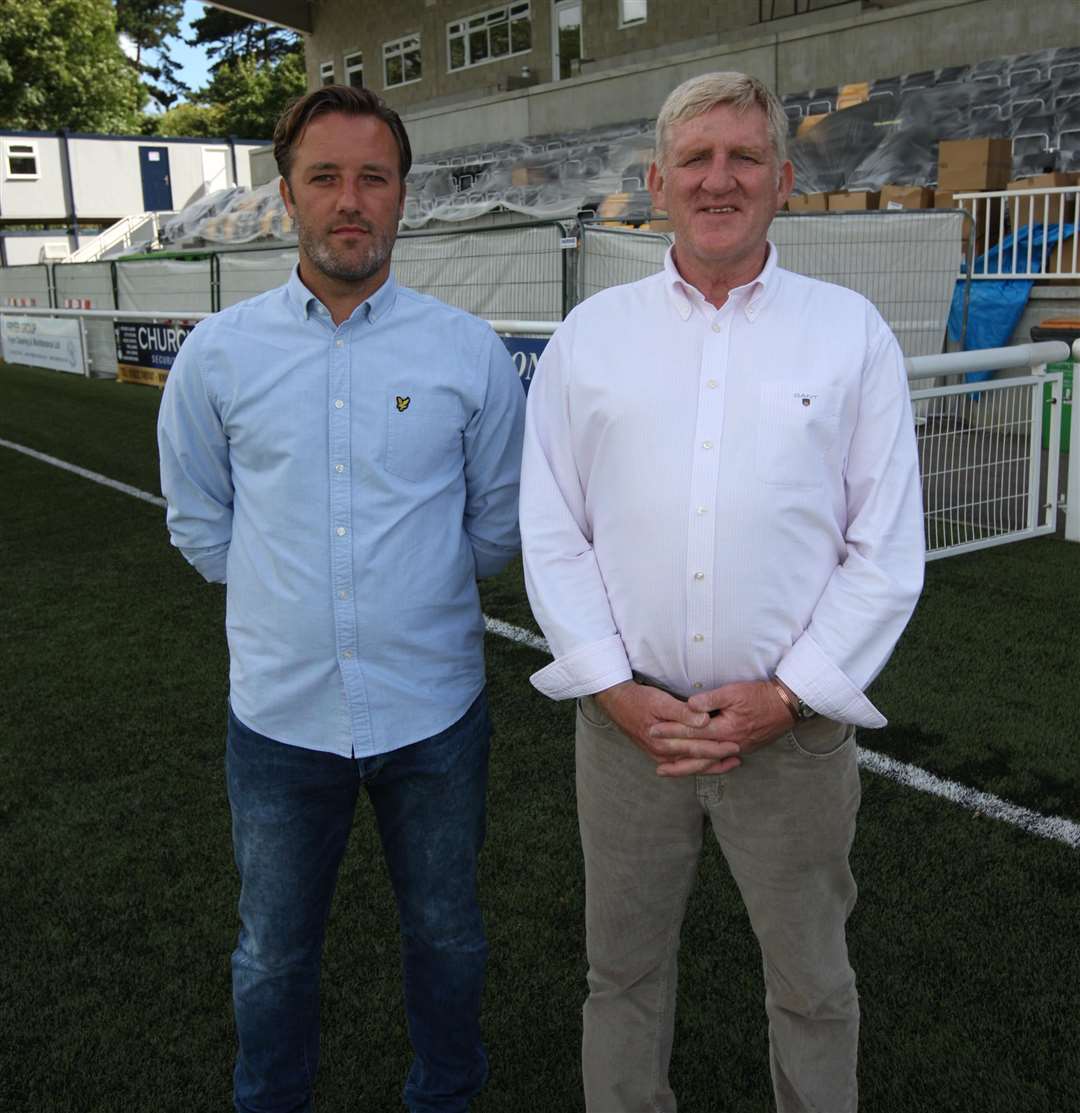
column 632, row 12
column 21, row 159
column 326, row 73
column 401, row 61
column 354, row 69
column 498, row 33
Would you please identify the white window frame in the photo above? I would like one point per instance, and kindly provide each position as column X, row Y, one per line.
column 396, row 49
column 26, row 148
column 483, row 21
column 624, row 22
column 326, row 70
column 353, row 66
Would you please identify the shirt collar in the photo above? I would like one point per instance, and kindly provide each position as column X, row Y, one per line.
column 308, row 305
column 750, row 298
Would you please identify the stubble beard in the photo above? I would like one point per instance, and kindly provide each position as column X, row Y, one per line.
column 350, row 269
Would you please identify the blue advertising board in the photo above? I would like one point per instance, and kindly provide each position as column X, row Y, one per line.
column 525, row 351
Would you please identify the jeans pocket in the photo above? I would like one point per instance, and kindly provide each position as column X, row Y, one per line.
column 593, row 714
column 820, row 738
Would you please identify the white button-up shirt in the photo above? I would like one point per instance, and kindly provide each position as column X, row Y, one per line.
column 712, row 495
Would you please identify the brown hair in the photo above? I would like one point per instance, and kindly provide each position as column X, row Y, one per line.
column 335, row 98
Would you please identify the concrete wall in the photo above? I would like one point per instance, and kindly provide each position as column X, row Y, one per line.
column 827, row 47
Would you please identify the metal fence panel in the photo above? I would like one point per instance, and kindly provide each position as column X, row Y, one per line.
column 243, row 274
column 83, row 286
column 166, row 284
column 26, row 286
column 613, row 256
column 982, row 457
column 509, row 273
column 905, row 262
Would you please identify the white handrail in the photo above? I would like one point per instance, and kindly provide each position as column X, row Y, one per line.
column 987, row 359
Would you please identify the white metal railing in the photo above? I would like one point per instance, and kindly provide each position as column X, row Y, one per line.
column 121, row 234
column 1043, row 226
column 989, row 451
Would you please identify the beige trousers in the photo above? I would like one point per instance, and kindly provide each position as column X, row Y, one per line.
column 785, row 820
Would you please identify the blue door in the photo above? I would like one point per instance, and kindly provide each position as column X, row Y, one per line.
column 156, row 188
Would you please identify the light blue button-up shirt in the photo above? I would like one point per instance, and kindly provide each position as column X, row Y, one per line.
column 348, row 484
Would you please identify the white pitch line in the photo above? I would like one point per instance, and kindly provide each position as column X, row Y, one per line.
column 911, row 776
column 1045, row 826
column 104, row 480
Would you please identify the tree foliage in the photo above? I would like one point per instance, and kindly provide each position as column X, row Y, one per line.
column 150, row 24
column 203, row 121
column 61, row 66
column 228, row 37
column 253, row 95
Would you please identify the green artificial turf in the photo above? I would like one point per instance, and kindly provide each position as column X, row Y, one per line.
column 117, row 889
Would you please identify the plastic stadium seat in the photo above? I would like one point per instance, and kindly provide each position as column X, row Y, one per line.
column 952, row 75
column 1032, row 145
column 1068, row 139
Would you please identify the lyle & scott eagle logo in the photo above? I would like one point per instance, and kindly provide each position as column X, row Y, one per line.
column 402, row 404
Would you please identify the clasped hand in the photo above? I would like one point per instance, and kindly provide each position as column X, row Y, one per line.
column 707, row 733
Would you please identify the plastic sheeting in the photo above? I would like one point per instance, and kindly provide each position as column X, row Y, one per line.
column 232, row 216
column 166, row 284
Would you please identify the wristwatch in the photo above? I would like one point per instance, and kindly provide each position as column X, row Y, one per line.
column 799, row 708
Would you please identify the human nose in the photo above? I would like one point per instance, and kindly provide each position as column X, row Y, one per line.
column 718, row 176
column 348, row 198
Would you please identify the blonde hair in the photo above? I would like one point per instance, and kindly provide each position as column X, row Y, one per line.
column 698, row 95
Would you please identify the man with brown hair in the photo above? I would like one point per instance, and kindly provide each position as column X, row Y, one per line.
column 343, row 454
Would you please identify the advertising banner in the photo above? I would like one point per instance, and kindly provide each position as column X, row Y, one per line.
column 525, row 351
column 52, row 342
column 145, row 351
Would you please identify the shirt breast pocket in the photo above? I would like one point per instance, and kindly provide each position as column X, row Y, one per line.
column 796, row 428
column 423, row 435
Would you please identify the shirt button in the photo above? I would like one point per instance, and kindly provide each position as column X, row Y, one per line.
column 699, row 575
column 339, row 468
column 343, row 595
column 698, row 684
column 699, row 637
column 338, row 403
column 347, row 653
column 712, row 384
column 702, row 509
column 706, row 444
column 338, row 343
column 716, row 326
column 340, row 531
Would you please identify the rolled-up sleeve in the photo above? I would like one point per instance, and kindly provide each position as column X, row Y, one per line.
column 493, row 463
column 565, row 587
column 195, row 475
column 871, row 595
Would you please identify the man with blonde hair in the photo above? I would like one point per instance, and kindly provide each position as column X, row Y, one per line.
column 722, row 528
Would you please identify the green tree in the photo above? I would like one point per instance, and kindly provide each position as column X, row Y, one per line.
column 61, row 66
column 252, row 96
column 228, row 37
column 150, row 24
column 202, row 121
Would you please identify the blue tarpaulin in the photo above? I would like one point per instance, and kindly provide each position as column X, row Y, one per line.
column 995, row 305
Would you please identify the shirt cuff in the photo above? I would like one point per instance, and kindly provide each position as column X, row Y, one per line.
column 809, row 673
column 586, row 671
column 210, row 563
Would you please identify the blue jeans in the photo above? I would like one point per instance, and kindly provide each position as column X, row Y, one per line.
column 292, row 810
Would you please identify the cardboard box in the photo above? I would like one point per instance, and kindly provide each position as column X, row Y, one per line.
column 808, row 202
column 854, row 93
column 858, row 202
column 808, row 123
column 970, row 164
column 531, row 175
column 1045, row 181
column 906, row 197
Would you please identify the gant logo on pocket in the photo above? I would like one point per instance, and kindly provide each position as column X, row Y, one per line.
column 806, row 399
column 402, row 404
